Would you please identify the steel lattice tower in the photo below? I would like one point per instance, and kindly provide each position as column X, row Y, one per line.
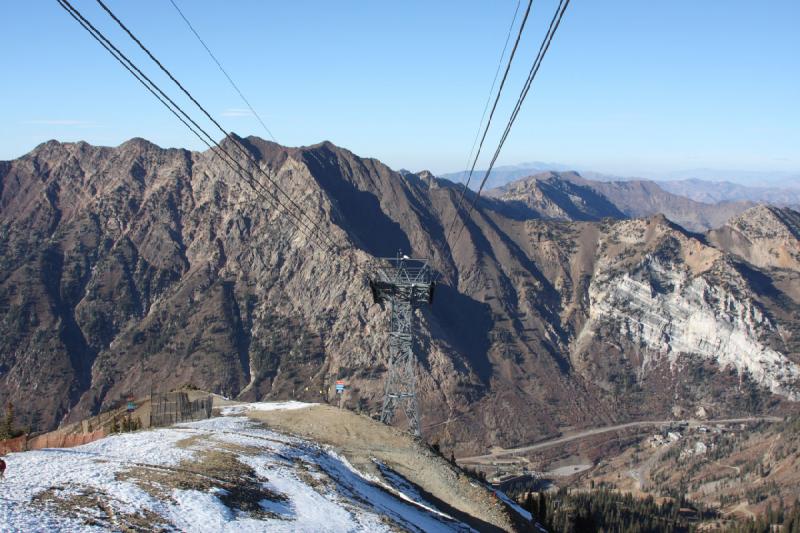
column 406, row 284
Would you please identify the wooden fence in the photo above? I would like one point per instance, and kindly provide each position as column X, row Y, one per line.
column 165, row 410
column 174, row 407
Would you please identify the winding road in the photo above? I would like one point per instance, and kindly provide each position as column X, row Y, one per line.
column 482, row 459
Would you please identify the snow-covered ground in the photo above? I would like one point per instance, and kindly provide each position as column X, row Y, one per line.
column 222, row 474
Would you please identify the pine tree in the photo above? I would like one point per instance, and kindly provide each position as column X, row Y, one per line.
column 528, row 505
column 542, row 514
column 7, row 429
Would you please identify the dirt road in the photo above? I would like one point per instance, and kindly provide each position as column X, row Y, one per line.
column 488, row 458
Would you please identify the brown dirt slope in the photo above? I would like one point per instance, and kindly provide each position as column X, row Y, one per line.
column 364, row 442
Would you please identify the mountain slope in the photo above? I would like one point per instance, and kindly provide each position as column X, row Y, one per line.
column 639, row 198
column 135, row 268
column 225, row 474
column 765, row 236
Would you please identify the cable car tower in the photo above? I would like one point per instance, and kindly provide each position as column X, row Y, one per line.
column 406, row 284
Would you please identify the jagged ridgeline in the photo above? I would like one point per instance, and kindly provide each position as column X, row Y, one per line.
column 136, row 268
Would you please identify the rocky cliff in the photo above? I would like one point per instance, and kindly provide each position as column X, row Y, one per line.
column 136, row 268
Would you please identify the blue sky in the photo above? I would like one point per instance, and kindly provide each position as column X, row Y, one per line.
column 627, row 87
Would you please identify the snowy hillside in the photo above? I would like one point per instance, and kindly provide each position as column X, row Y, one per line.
column 222, row 474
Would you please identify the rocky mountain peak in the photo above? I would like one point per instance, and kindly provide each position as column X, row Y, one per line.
column 768, row 222
column 766, row 236
column 140, row 144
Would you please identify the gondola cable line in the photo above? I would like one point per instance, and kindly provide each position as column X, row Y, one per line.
column 545, row 45
column 491, row 89
column 489, row 121
column 222, row 69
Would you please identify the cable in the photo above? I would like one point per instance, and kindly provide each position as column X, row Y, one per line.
column 141, row 77
column 489, row 122
column 189, row 24
column 554, row 23
column 236, row 143
column 491, row 89
column 154, row 89
column 134, row 74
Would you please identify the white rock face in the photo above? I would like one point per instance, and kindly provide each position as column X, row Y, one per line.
column 667, row 313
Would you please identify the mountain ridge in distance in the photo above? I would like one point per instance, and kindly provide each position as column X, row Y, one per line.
column 701, row 185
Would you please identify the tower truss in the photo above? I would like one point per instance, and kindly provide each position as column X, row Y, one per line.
column 405, row 284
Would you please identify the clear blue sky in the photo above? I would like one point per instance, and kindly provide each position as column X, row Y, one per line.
column 628, row 86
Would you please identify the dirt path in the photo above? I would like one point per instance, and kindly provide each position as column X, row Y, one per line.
column 362, row 441
column 742, row 508
column 642, row 475
column 734, row 468
column 478, row 459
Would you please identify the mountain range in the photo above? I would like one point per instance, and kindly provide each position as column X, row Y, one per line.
column 564, row 302
column 726, row 191
column 701, row 185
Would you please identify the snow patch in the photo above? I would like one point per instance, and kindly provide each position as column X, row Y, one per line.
column 265, row 406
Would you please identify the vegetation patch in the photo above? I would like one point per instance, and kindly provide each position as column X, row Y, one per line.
column 96, row 508
column 212, row 470
column 313, row 476
column 189, row 442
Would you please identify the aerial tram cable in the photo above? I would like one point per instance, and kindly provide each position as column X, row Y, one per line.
column 89, row 28
column 489, row 122
column 236, row 142
column 491, row 89
column 554, row 23
column 222, row 69
column 166, row 101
